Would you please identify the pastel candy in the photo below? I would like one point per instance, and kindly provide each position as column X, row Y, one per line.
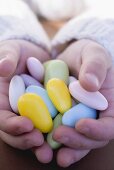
column 28, row 80
column 72, row 79
column 35, row 68
column 56, row 69
column 45, row 64
column 43, row 94
column 16, row 89
column 56, row 123
column 92, row 99
column 72, row 116
column 59, row 94
column 33, row 107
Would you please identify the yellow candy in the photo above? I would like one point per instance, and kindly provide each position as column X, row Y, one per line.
column 33, row 107
column 59, row 94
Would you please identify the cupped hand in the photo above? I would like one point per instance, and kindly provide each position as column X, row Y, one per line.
column 89, row 62
column 18, row 131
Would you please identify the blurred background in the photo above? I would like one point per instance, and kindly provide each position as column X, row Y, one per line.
column 54, row 13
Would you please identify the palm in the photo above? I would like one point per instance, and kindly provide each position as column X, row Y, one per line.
column 107, row 116
column 22, row 50
column 15, row 130
column 84, row 61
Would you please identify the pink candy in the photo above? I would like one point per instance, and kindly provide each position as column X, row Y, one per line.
column 92, row 99
column 35, row 68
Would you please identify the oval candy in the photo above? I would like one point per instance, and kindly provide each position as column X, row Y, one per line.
column 92, row 99
column 72, row 79
column 56, row 123
column 33, row 107
column 29, row 80
column 45, row 64
column 59, row 94
column 72, row 116
column 43, row 94
column 35, row 68
column 56, row 69
column 16, row 89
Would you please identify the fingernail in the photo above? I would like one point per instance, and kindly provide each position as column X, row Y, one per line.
column 29, row 127
column 92, row 79
column 38, row 140
column 69, row 161
column 2, row 59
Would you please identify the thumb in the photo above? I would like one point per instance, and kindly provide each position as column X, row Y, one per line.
column 95, row 64
column 9, row 56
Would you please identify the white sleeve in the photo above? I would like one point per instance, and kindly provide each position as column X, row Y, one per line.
column 96, row 23
column 17, row 21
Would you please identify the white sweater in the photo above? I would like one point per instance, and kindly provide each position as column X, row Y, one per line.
column 96, row 22
column 17, row 21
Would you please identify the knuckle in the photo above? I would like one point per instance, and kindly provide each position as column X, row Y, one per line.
column 15, row 129
column 26, row 143
column 96, row 49
column 11, row 127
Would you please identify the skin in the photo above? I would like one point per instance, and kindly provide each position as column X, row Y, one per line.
column 18, row 131
column 82, row 57
column 92, row 65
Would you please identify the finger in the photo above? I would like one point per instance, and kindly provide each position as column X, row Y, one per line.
column 25, row 141
column 4, row 102
column 84, row 59
column 14, row 54
column 29, row 49
column 68, row 156
column 9, row 121
column 101, row 129
column 69, row 137
column 9, row 56
column 13, row 124
column 43, row 153
column 95, row 64
column 72, row 56
column 4, row 87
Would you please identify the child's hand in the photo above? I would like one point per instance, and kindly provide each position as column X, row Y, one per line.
column 92, row 65
column 18, row 131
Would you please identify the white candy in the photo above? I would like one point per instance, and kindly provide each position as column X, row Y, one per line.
column 16, row 89
column 92, row 99
column 28, row 80
column 72, row 79
column 35, row 68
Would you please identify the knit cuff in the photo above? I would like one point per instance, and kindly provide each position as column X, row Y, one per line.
column 18, row 22
column 99, row 30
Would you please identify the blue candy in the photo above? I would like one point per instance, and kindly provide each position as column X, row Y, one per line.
column 43, row 93
column 72, row 116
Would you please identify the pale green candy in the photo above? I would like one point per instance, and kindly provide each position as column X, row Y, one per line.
column 57, row 121
column 56, row 69
column 45, row 64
